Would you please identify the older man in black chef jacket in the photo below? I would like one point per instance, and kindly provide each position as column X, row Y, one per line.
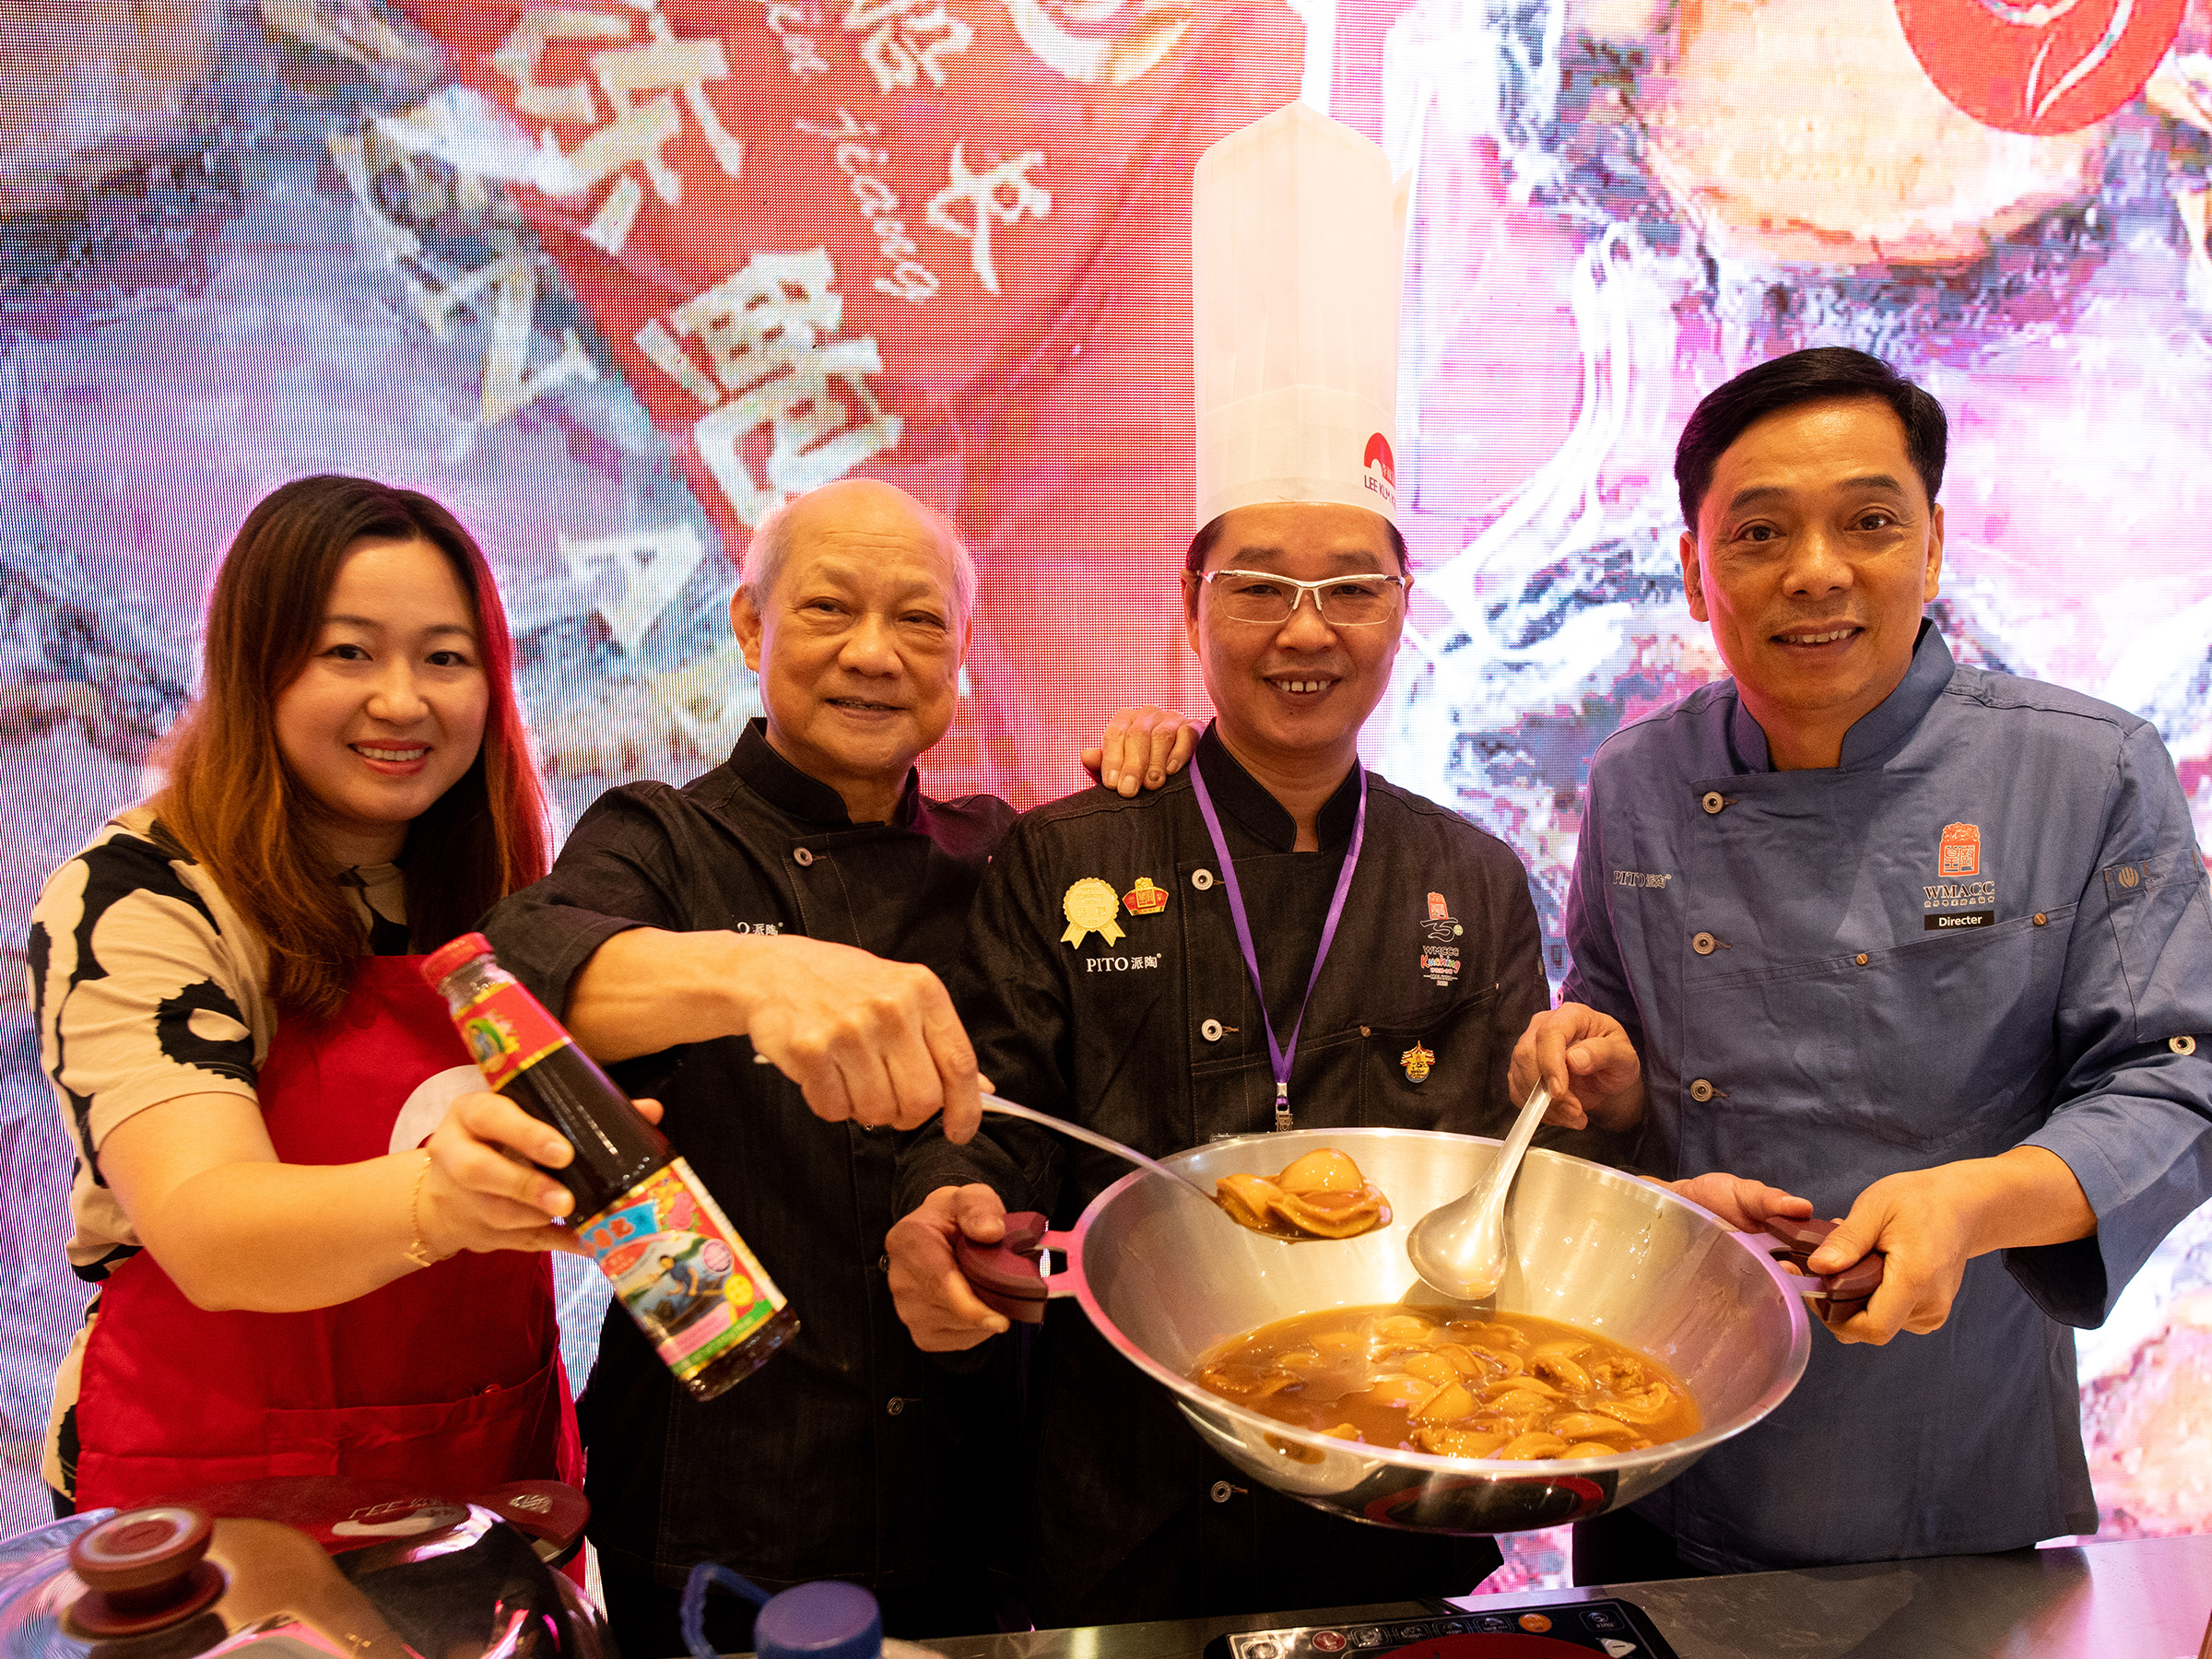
column 792, row 903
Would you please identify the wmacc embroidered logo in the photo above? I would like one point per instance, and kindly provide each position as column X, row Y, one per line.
column 1960, row 851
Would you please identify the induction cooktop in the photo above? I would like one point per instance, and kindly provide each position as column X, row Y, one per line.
column 1613, row 1628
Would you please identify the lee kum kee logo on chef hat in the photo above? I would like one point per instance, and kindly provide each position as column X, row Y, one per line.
column 1297, row 245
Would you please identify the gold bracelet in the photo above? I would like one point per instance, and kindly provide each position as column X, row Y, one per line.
column 418, row 1253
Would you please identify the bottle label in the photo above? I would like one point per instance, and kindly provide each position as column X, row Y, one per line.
column 508, row 1032
column 681, row 1269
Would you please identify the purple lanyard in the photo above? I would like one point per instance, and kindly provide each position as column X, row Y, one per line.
column 1281, row 1054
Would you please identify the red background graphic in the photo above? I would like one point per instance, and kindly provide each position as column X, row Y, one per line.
column 1050, row 419
column 2005, row 71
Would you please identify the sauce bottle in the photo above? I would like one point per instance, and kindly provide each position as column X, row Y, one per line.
column 677, row 1264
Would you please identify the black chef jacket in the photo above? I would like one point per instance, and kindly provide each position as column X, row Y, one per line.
column 849, row 1454
column 1155, row 1039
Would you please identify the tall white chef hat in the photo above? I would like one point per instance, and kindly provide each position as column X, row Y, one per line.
column 1296, row 249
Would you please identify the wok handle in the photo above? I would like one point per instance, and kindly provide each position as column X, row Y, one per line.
column 552, row 1516
column 1012, row 1277
column 1845, row 1292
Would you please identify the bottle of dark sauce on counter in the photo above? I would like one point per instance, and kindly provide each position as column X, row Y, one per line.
column 677, row 1264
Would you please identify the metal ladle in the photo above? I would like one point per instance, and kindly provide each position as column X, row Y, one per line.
column 1104, row 1143
column 1459, row 1248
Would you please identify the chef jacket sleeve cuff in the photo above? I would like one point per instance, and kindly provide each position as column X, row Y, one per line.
column 1016, row 1160
column 2144, row 1164
column 546, row 946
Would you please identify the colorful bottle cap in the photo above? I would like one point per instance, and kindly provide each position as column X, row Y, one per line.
column 824, row 1621
column 452, row 954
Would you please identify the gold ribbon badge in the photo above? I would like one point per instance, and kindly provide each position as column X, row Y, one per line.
column 1090, row 907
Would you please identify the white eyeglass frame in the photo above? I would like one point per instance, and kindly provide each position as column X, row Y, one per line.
column 1301, row 589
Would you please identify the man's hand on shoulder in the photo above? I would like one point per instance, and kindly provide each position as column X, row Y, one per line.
column 932, row 1297
column 871, row 1041
column 1587, row 1061
column 1142, row 747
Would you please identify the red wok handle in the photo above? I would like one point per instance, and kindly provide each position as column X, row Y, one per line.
column 1845, row 1292
column 551, row 1516
column 1008, row 1276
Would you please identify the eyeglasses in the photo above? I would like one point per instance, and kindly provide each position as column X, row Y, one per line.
column 1359, row 600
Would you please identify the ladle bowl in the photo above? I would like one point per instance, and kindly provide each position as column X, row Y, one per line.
column 1592, row 1247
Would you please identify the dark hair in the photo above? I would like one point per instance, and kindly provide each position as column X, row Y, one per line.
column 1815, row 375
column 1209, row 532
column 235, row 806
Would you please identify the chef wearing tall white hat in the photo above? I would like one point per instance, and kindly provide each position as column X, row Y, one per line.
column 1278, row 938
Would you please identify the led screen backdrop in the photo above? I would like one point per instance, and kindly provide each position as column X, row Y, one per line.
column 610, row 277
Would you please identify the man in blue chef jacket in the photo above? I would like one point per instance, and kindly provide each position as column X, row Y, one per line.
column 1929, row 946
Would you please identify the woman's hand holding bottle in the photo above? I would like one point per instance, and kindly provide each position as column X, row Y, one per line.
column 485, row 1187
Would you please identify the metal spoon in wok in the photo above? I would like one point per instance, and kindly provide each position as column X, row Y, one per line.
column 1459, row 1248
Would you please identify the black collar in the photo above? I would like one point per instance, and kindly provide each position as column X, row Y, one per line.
column 803, row 796
column 1241, row 796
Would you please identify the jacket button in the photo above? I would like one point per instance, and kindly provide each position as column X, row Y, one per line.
column 1221, row 1491
column 1202, row 880
column 1702, row 943
column 1210, row 1029
column 2182, row 1045
column 883, row 1263
column 1861, row 958
column 1700, row 1091
column 1713, row 801
column 2040, row 919
column 895, row 1405
column 802, row 857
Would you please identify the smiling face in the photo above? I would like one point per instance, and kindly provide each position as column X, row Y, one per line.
column 388, row 713
column 1292, row 696
column 1816, row 548
column 858, row 644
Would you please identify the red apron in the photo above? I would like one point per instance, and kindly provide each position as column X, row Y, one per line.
column 450, row 1376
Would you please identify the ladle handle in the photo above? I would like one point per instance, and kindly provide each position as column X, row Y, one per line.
column 1091, row 1138
column 1524, row 1129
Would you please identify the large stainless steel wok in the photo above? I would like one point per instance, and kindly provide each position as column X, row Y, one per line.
column 1164, row 1276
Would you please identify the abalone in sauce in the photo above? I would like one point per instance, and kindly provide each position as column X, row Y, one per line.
column 1321, row 1196
column 1502, row 1386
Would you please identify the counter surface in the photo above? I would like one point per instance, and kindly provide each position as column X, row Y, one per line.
column 2147, row 1598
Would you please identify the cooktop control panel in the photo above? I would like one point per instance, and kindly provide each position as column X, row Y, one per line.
column 1614, row 1628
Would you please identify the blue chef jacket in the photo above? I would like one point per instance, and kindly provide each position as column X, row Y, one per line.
column 1988, row 927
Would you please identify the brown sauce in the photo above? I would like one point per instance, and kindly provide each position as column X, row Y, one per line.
column 1507, row 1385
column 1321, row 1196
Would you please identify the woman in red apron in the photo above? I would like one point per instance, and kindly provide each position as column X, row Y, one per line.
column 314, row 1256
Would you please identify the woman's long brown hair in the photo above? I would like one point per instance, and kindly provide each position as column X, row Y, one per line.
column 234, row 805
